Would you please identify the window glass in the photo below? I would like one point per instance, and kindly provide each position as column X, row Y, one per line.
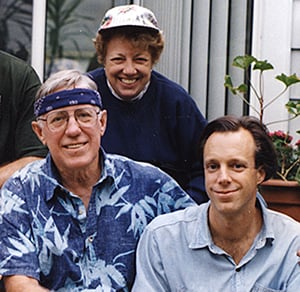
column 71, row 26
column 16, row 27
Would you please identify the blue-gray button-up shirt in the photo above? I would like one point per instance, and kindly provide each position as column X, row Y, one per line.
column 176, row 253
column 46, row 232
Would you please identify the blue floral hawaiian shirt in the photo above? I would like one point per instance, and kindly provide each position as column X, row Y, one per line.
column 46, row 232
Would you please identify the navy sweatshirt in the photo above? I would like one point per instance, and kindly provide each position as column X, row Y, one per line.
column 162, row 128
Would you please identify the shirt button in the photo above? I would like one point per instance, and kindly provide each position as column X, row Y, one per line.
column 238, row 269
column 91, row 238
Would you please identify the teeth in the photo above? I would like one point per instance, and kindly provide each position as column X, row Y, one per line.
column 128, row 81
column 74, row 146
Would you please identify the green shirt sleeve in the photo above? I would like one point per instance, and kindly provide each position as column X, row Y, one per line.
column 19, row 84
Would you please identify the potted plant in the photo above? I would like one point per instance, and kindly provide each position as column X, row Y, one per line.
column 282, row 193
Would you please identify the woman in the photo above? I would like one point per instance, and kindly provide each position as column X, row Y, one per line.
column 151, row 118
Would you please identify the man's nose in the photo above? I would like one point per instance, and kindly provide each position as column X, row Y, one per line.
column 72, row 125
column 224, row 174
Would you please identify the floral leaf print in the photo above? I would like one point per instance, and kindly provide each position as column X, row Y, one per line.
column 150, row 200
column 183, row 202
column 146, row 207
column 165, row 203
column 3, row 263
column 43, row 228
column 122, row 255
column 20, row 248
column 60, row 242
column 125, row 209
column 145, row 204
column 138, row 220
column 115, row 275
column 119, row 178
column 45, row 260
column 168, row 186
column 67, row 204
column 106, row 273
column 34, row 179
column 11, row 202
column 109, row 198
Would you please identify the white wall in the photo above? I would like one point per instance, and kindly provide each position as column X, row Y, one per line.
column 272, row 40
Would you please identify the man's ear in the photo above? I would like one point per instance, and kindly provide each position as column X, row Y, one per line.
column 260, row 176
column 103, row 121
column 37, row 129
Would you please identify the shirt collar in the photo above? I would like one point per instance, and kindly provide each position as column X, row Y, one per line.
column 138, row 97
column 53, row 181
column 201, row 236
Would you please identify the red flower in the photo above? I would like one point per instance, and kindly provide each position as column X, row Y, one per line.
column 281, row 136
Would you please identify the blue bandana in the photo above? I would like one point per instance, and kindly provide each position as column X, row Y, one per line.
column 64, row 98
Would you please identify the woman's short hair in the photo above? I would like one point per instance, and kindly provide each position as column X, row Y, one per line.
column 143, row 38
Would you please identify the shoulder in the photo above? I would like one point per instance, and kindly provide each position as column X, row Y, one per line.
column 135, row 168
column 96, row 74
column 27, row 180
column 282, row 223
column 10, row 61
column 32, row 168
column 164, row 83
column 177, row 219
column 18, row 71
column 144, row 180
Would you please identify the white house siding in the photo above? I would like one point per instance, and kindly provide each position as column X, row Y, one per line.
column 274, row 35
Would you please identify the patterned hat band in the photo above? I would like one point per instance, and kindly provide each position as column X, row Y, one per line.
column 64, row 98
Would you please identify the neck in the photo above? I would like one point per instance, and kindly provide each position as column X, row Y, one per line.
column 235, row 234
column 81, row 183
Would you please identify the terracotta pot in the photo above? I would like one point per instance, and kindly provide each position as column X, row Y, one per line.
column 282, row 196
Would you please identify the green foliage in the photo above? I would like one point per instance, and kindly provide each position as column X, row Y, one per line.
column 248, row 63
column 288, row 155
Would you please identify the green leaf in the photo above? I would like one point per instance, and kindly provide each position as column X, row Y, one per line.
column 288, row 80
column 243, row 62
column 228, row 82
column 293, row 107
column 263, row 66
column 243, row 88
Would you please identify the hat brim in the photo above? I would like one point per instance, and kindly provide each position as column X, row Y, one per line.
column 145, row 27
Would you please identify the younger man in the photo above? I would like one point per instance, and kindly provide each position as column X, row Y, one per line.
column 233, row 242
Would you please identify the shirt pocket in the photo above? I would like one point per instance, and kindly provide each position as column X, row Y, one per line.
column 260, row 288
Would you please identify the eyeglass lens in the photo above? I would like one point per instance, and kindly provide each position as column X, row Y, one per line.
column 58, row 120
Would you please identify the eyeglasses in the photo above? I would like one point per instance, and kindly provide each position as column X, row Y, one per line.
column 57, row 121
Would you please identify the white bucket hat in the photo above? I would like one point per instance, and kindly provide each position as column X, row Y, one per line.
column 129, row 15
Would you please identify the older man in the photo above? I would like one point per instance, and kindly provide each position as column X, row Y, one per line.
column 72, row 221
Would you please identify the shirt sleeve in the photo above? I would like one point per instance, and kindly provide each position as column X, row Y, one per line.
column 150, row 274
column 26, row 141
column 18, row 251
